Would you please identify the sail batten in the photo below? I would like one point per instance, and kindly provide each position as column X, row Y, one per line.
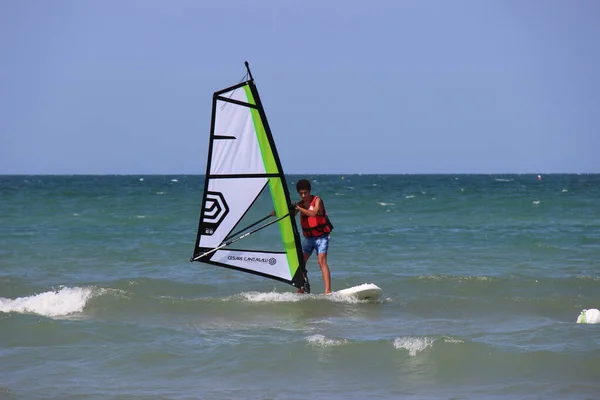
column 234, row 101
column 243, row 174
column 227, row 176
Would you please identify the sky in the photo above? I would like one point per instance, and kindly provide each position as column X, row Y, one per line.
column 397, row 87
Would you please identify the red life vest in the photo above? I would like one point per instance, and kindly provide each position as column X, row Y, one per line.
column 315, row 226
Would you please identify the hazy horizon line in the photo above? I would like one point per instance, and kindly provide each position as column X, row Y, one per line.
column 306, row 173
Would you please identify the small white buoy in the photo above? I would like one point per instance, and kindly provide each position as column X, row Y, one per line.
column 591, row 316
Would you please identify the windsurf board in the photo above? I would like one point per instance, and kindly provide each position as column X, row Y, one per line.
column 366, row 291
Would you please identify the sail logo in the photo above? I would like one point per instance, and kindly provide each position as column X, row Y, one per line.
column 215, row 211
column 264, row 260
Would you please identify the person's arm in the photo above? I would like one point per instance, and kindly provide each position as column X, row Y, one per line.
column 317, row 207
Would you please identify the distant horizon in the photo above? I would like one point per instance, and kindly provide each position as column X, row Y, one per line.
column 321, row 174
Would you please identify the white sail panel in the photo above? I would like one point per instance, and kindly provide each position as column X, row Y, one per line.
column 226, row 202
column 244, row 182
column 240, row 154
column 272, row 264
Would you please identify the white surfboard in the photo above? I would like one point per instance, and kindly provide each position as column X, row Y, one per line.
column 366, row 291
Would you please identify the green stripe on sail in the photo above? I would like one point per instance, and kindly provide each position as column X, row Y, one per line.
column 276, row 186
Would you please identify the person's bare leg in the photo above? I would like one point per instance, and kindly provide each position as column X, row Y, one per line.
column 322, row 258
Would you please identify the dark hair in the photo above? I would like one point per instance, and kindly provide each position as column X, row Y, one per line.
column 303, row 184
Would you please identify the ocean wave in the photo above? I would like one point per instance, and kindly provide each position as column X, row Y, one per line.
column 272, row 297
column 414, row 345
column 454, row 278
column 288, row 297
column 319, row 340
column 54, row 303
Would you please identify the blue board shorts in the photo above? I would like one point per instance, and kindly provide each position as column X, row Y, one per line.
column 321, row 244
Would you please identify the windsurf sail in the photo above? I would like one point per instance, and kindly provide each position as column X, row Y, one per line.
column 244, row 182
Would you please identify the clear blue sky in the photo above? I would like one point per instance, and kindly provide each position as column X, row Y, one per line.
column 480, row 86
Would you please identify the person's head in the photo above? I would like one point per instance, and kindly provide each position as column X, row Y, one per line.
column 303, row 188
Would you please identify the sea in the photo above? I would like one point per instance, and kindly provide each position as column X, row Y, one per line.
column 483, row 279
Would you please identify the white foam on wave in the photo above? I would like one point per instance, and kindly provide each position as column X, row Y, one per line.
column 272, row 297
column 288, row 297
column 322, row 341
column 454, row 278
column 414, row 345
column 381, row 203
column 50, row 304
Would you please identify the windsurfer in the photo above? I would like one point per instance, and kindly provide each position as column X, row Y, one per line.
column 315, row 228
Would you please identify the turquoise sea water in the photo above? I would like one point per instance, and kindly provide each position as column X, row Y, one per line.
column 483, row 278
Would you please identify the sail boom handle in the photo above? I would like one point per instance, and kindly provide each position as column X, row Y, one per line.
column 239, row 238
column 248, row 227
